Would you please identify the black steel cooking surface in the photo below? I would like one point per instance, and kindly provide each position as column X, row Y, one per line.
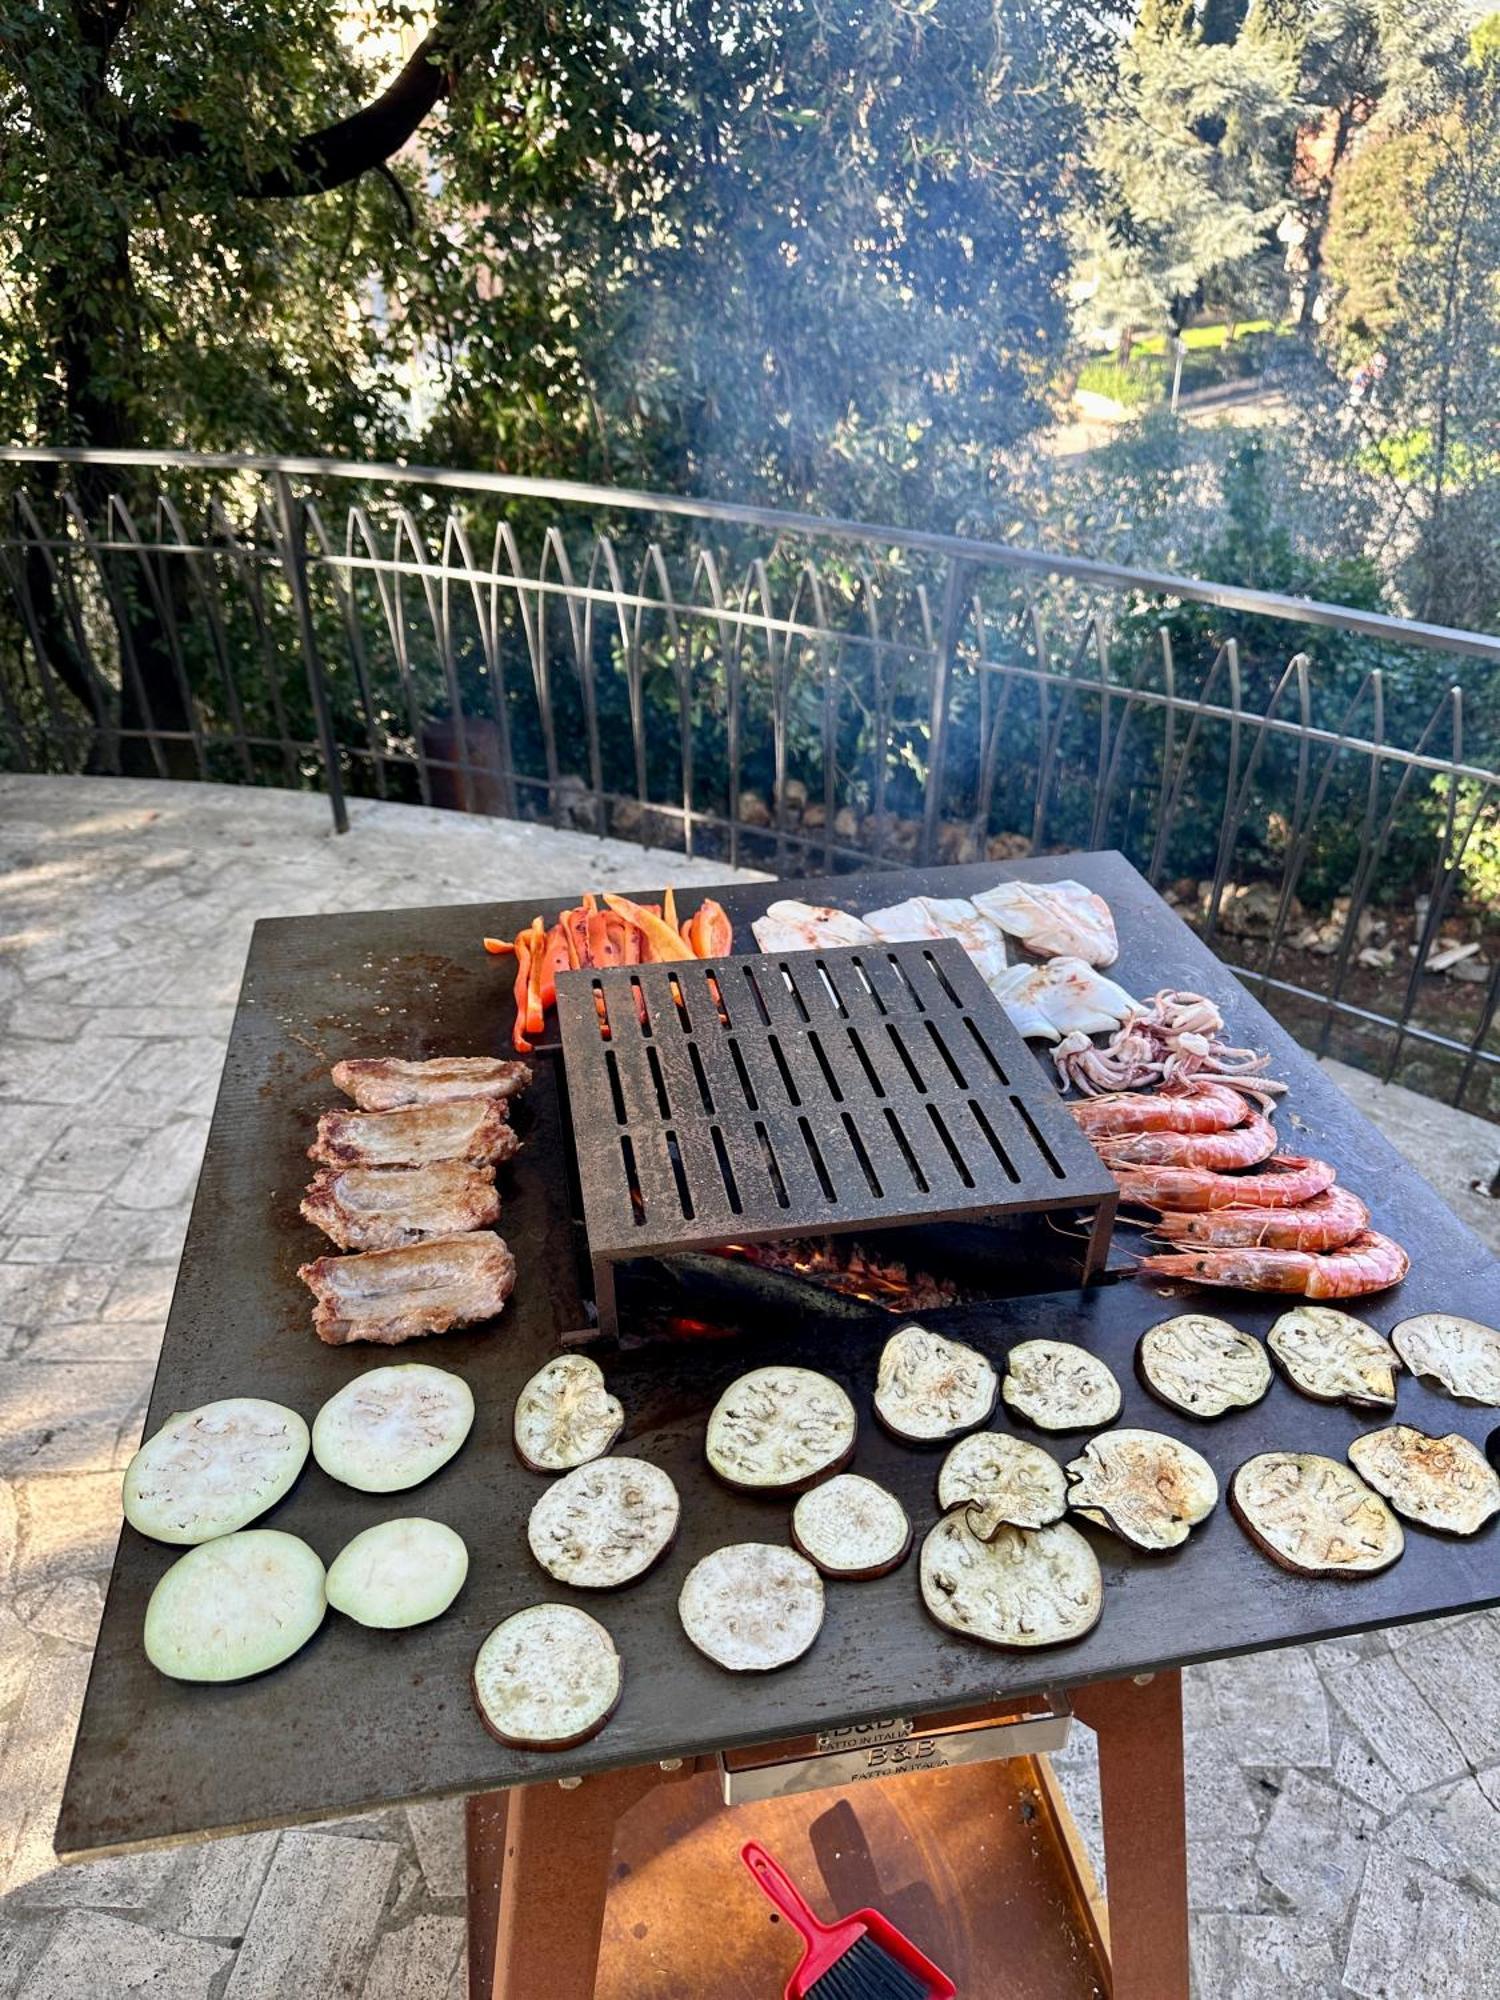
column 361, row 1718
column 742, row 1100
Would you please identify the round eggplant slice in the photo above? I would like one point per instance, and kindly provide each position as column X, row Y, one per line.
column 398, row 1573
column 209, row 1471
column 851, row 1528
column 1313, row 1515
column 1335, row 1358
column 1004, row 1482
column 1444, row 1483
column 1025, row 1587
column 1060, row 1387
column 565, row 1416
column 752, row 1607
column 929, row 1389
column 393, row 1427
column 1460, row 1355
column 1148, row 1489
column 547, row 1678
column 1203, row 1366
column 778, row 1430
column 605, row 1524
column 235, row 1606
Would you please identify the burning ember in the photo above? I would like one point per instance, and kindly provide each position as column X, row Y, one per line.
column 840, row 1264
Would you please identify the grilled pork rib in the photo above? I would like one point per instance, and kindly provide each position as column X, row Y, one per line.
column 383, row 1208
column 387, row 1296
column 385, row 1083
column 471, row 1130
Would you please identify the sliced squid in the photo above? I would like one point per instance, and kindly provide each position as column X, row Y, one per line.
column 235, row 1606
column 1054, row 919
column 792, row 926
column 1063, row 997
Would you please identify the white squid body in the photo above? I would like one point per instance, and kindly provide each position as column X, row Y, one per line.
column 1054, row 919
column 944, row 917
column 792, row 926
column 1063, row 997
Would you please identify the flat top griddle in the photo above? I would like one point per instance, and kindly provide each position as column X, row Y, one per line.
column 361, row 1718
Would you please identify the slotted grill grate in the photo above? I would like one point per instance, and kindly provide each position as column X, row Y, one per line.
column 742, row 1100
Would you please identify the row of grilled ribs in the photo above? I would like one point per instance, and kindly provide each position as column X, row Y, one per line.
column 407, row 1183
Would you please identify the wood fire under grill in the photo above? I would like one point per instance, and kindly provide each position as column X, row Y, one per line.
column 819, row 1132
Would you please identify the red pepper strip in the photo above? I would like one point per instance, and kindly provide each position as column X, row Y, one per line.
column 556, row 958
column 497, row 947
column 606, row 941
column 522, row 950
column 669, row 908
column 536, row 1013
column 710, row 933
column 632, row 945
column 664, row 942
column 575, row 923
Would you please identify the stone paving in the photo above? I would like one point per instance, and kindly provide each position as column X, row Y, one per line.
column 1344, row 1800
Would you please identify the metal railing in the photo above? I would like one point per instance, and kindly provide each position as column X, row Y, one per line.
column 1318, row 786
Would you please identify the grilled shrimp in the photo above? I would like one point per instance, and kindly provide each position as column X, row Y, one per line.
column 1327, row 1222
column 1369, row 1263
column 1204, row 1107
column 1214, row 1152
column 1282, row 1182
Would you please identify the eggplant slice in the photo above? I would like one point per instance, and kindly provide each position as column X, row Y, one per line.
column 565, row 1416
column 929, row 1389
column 778, row 1430
column 398, row 1573
column 1313, row 1515
column 1460, row 1355
column 1203, row 1366
column 1060, row 1387
column 393, row 1427
column 1335, row 1358
column 547, row 1678
column 851, row 1528
column 211, row 1470
column 1445, row 1483
column 234, row 1607
column 1026, row 1587
column 1004, row 1482
column 1149, row 1489
column 752, row 1607
column 604, row 1524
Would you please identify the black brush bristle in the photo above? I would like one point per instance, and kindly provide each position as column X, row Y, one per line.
column 868, row 1972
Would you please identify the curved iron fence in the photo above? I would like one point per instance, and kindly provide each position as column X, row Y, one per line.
column 1318, row 788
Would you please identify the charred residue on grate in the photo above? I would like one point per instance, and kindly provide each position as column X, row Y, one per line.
column 744, row 1100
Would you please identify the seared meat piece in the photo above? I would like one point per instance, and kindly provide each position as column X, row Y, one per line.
column 388, row 1296
column 381, row 1208
column 474, row 1130
column 385, row 1083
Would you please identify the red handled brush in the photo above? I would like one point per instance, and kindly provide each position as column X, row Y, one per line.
column 859, row 1958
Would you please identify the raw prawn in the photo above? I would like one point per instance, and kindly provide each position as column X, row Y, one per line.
column 1204, row 1107
column 1327, row 1222
column 1213, row 1152
column 1369, row 1263
column 1282, row 1182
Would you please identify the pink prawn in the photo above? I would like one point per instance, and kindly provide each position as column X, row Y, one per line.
column 1282, row 1182
column 1327, row 1222
column 1369, row 1263
column 1204, row 1107
column 1243, row 1145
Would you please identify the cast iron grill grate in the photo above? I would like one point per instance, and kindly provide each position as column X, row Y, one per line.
column 742, row 1100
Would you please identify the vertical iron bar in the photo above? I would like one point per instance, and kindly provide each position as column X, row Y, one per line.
column 294, row 567
column 937, row 722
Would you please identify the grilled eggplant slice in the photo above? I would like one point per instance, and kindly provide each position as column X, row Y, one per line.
column 1024, row 1588
column 234, row 1607
column 565, row 1416
column 1149, row 1489
column 1460, row 1355
column 1313, row 1515
column 1060, row 1387
column 1004, row 1482
column 851, row 1528
column 547, row 1678
column 1444, row 1483
column 929, row 1389
column 780, row 1430
column 604, row 1524
column 1335, row 1358
column 752, row 1607
column 211, row 1470
column 1203, row 1366
column 398, row 1573
column 393, row 1427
